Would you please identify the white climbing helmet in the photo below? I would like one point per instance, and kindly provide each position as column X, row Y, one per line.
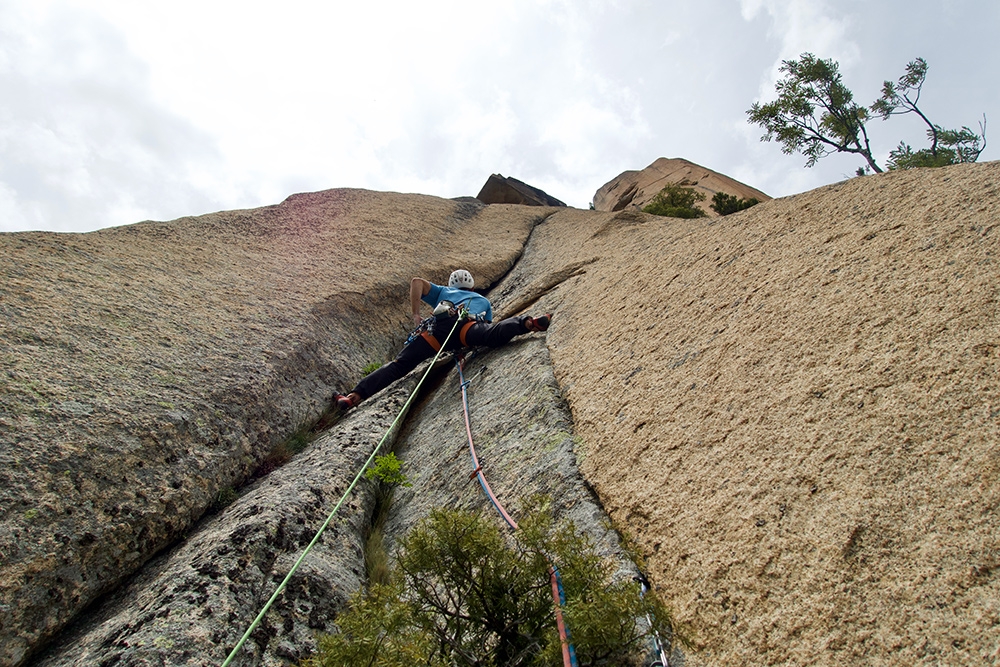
column 461, row 279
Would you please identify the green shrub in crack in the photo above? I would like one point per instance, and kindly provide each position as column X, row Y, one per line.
column 465, row 592
column 388, row 469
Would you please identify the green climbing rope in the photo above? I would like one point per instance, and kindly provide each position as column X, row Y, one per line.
column 319, row 533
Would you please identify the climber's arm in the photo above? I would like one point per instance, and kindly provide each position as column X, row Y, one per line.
column 418, row 288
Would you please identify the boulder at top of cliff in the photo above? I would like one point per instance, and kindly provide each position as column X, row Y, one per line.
column 634, row 189
column 506, row 190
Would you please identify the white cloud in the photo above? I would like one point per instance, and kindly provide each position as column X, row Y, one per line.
column 80, row 137
column 800, row 26
column 114, row 110
column 13, row 215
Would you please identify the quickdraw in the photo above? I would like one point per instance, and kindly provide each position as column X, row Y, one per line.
column 661, row 654
column 421, row 328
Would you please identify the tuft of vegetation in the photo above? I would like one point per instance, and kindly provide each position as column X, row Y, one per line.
column 947, row 147
column 370, row 368
column 223, row 499
column 285, row 450
column 815, row 114
column 388, row 474
column 724, row 204
column 676, row 201
column 463, row 593
column 299, row 440
column 389, row 470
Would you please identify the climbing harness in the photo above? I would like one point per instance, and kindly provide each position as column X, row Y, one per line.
column 443, row 311
column 322, row 529
column 558, row 595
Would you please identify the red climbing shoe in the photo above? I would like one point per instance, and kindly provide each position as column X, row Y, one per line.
column 344, row 402
column 537, row 323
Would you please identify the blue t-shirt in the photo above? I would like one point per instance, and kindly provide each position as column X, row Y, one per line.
column 479, row 306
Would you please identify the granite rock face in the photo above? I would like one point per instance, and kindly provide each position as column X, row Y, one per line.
column 795, row 409
column 147, row 368
column 792, row 410
column 512, row 385
column 634, row 189
column 525, row 445
column 193, row 604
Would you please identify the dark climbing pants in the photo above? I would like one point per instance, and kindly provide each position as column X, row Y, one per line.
column 479, row 334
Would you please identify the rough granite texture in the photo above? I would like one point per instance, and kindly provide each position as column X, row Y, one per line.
column 192, row 605
column 507, row 386
column 793, row 411
column 145, row 368
column 524, row 441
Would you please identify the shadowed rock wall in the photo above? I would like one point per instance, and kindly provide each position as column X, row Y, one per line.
column 500, row 189
column 192, row 605
column 147, row 367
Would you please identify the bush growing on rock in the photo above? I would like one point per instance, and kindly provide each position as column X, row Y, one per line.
column 389, row 470
column 465, row 593
column 676, row 201
column 724, row 204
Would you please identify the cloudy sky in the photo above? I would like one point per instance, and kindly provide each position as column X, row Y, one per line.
column 117, row 111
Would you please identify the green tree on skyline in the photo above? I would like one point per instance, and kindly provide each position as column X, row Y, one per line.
column 815, row 114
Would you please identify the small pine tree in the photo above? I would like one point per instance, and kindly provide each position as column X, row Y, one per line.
column 815, row 114
column 464, row 593
column 676, row 201
column 724, row 204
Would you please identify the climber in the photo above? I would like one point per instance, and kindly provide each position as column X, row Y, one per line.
column 456, row 302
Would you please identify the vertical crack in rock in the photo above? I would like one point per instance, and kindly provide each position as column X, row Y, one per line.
column 150, row 366
column 192, row 604
column 525, row 442
column 524, row 439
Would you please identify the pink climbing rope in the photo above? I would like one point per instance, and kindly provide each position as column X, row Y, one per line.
column 477, row 468
column 568, row 652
